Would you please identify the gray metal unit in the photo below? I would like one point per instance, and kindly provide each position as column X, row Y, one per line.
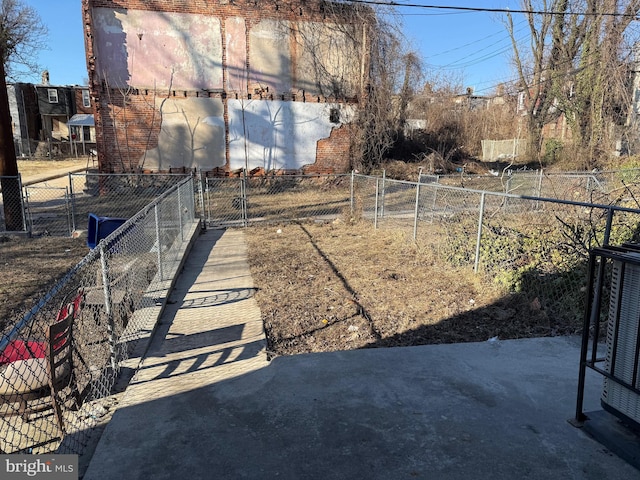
column 622, row 356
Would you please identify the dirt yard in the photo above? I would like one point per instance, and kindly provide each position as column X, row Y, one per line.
column 334, row 286
column 29, row 267
column 323, row 287
column 29, row 168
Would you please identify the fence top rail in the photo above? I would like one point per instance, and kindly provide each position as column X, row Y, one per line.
column 32, row 187
column 388, row 180
column 283, row 177
column 98, row 174
column 521, row 197
column 537, row 172
column 517, row 173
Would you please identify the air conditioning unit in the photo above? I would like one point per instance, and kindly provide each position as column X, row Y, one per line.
column 622, row 353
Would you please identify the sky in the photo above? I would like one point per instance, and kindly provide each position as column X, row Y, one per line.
column 470, row 48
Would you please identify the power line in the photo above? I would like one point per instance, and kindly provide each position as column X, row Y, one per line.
column 475, row 42
column 490, row 10
column 459, row 10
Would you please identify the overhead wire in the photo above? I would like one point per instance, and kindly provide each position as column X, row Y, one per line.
column 475, row 61
column 475, row 42
column 461, row 10
column 487, row 9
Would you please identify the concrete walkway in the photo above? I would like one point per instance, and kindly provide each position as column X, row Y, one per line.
column 207, row 405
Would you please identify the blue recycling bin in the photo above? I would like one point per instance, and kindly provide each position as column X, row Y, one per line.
column 101, row 227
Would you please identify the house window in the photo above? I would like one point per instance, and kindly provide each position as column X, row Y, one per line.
column 86, row 100
column 53, row 95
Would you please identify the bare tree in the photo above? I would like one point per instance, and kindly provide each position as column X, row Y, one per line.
column 412, row 76
column 575, row 65
column 21, row 34
column 554, row 42
column 602, row 94
column 365, row 60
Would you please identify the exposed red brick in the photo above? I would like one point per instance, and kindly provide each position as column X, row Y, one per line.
column 128, row 124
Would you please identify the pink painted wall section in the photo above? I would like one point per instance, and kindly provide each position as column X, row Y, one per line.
column 160, row 50
column 236, row 43
column 270, row 56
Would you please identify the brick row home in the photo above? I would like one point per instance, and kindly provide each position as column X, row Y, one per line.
column 51, row 120
column 224, row 86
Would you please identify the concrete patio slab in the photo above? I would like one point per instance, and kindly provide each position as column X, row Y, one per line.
column 207, row 403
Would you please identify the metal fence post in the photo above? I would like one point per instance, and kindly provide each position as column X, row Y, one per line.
column 243, row 196
column 111, row 331
column 67, row 203
column 201, row 195
column 479, row 239
column 375, row 213
column 192, row 203
column 208, row 191
column 158, row 240
column 352, row 191
column 23, row 200
column 415, row 212
column 607, row 230
column 384, row 178
column 73, row 204
column 179, row 193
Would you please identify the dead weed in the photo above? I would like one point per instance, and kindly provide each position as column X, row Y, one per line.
column 339, row 286
column 30, row 267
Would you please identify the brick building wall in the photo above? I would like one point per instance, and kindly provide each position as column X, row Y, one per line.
column 333, row 153
column 254, row 99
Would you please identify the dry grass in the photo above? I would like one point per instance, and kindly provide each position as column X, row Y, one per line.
column 29, row 168
column 30, row 267
column 338, row 286
column 323, row 287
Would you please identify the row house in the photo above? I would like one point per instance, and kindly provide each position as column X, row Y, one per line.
column 51, row 120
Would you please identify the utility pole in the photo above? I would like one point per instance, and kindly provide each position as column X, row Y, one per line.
column 9, row 183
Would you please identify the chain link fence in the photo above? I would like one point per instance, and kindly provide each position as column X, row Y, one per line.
column 61, row 206
column 239, row 201
column 592, row 187
column 535, row 249
column 532, row 248
column 114, row 295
